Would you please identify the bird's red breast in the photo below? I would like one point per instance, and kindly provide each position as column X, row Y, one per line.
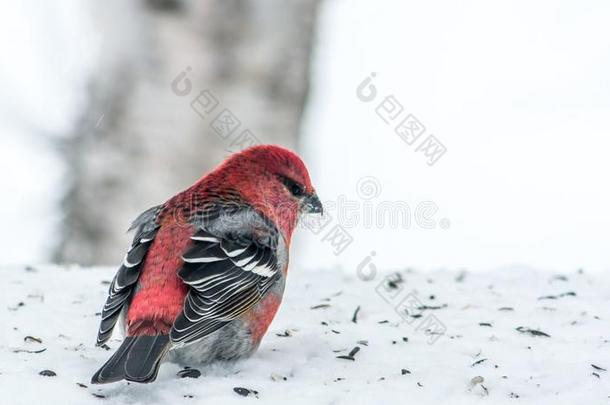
column 259, row 319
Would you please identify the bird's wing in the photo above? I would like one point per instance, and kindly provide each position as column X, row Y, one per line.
column 227, row 276
column 120, row 290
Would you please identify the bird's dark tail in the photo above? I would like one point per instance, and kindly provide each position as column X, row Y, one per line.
column 138, row 359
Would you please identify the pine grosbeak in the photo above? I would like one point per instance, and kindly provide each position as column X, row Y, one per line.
column 205, row 273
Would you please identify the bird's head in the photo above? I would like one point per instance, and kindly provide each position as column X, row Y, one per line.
column 275, row 181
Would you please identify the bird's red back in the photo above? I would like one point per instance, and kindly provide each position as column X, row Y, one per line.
column 161, row 293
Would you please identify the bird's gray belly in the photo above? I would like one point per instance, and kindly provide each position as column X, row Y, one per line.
column 232, row 342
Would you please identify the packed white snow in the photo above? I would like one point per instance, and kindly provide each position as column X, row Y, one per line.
column 507, row 336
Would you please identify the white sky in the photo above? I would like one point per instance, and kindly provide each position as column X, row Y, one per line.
column 518, row 92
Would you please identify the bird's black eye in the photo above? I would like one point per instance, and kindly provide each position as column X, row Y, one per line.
column 295, row 188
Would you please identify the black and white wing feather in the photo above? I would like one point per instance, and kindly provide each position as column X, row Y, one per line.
column 227, row 277
column 126, row 277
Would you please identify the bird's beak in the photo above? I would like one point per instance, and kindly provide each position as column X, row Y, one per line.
column 312, row 204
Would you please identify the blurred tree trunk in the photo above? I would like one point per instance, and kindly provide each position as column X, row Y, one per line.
column 140, row 140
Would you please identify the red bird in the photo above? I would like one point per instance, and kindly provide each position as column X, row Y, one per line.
column 206, row 270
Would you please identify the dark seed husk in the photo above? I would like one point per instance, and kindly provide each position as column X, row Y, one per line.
column 432, row 307
column 478, row 362
column 29, row 351
column 598, row 367
column 533, row 332
column 244, row 392
column 189, row 373
column 554, row 297
column 355, row 316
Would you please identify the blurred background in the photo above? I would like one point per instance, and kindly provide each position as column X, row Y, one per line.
column 439, row 134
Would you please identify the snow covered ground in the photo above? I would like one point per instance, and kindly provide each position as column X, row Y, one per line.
column 49, row 316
